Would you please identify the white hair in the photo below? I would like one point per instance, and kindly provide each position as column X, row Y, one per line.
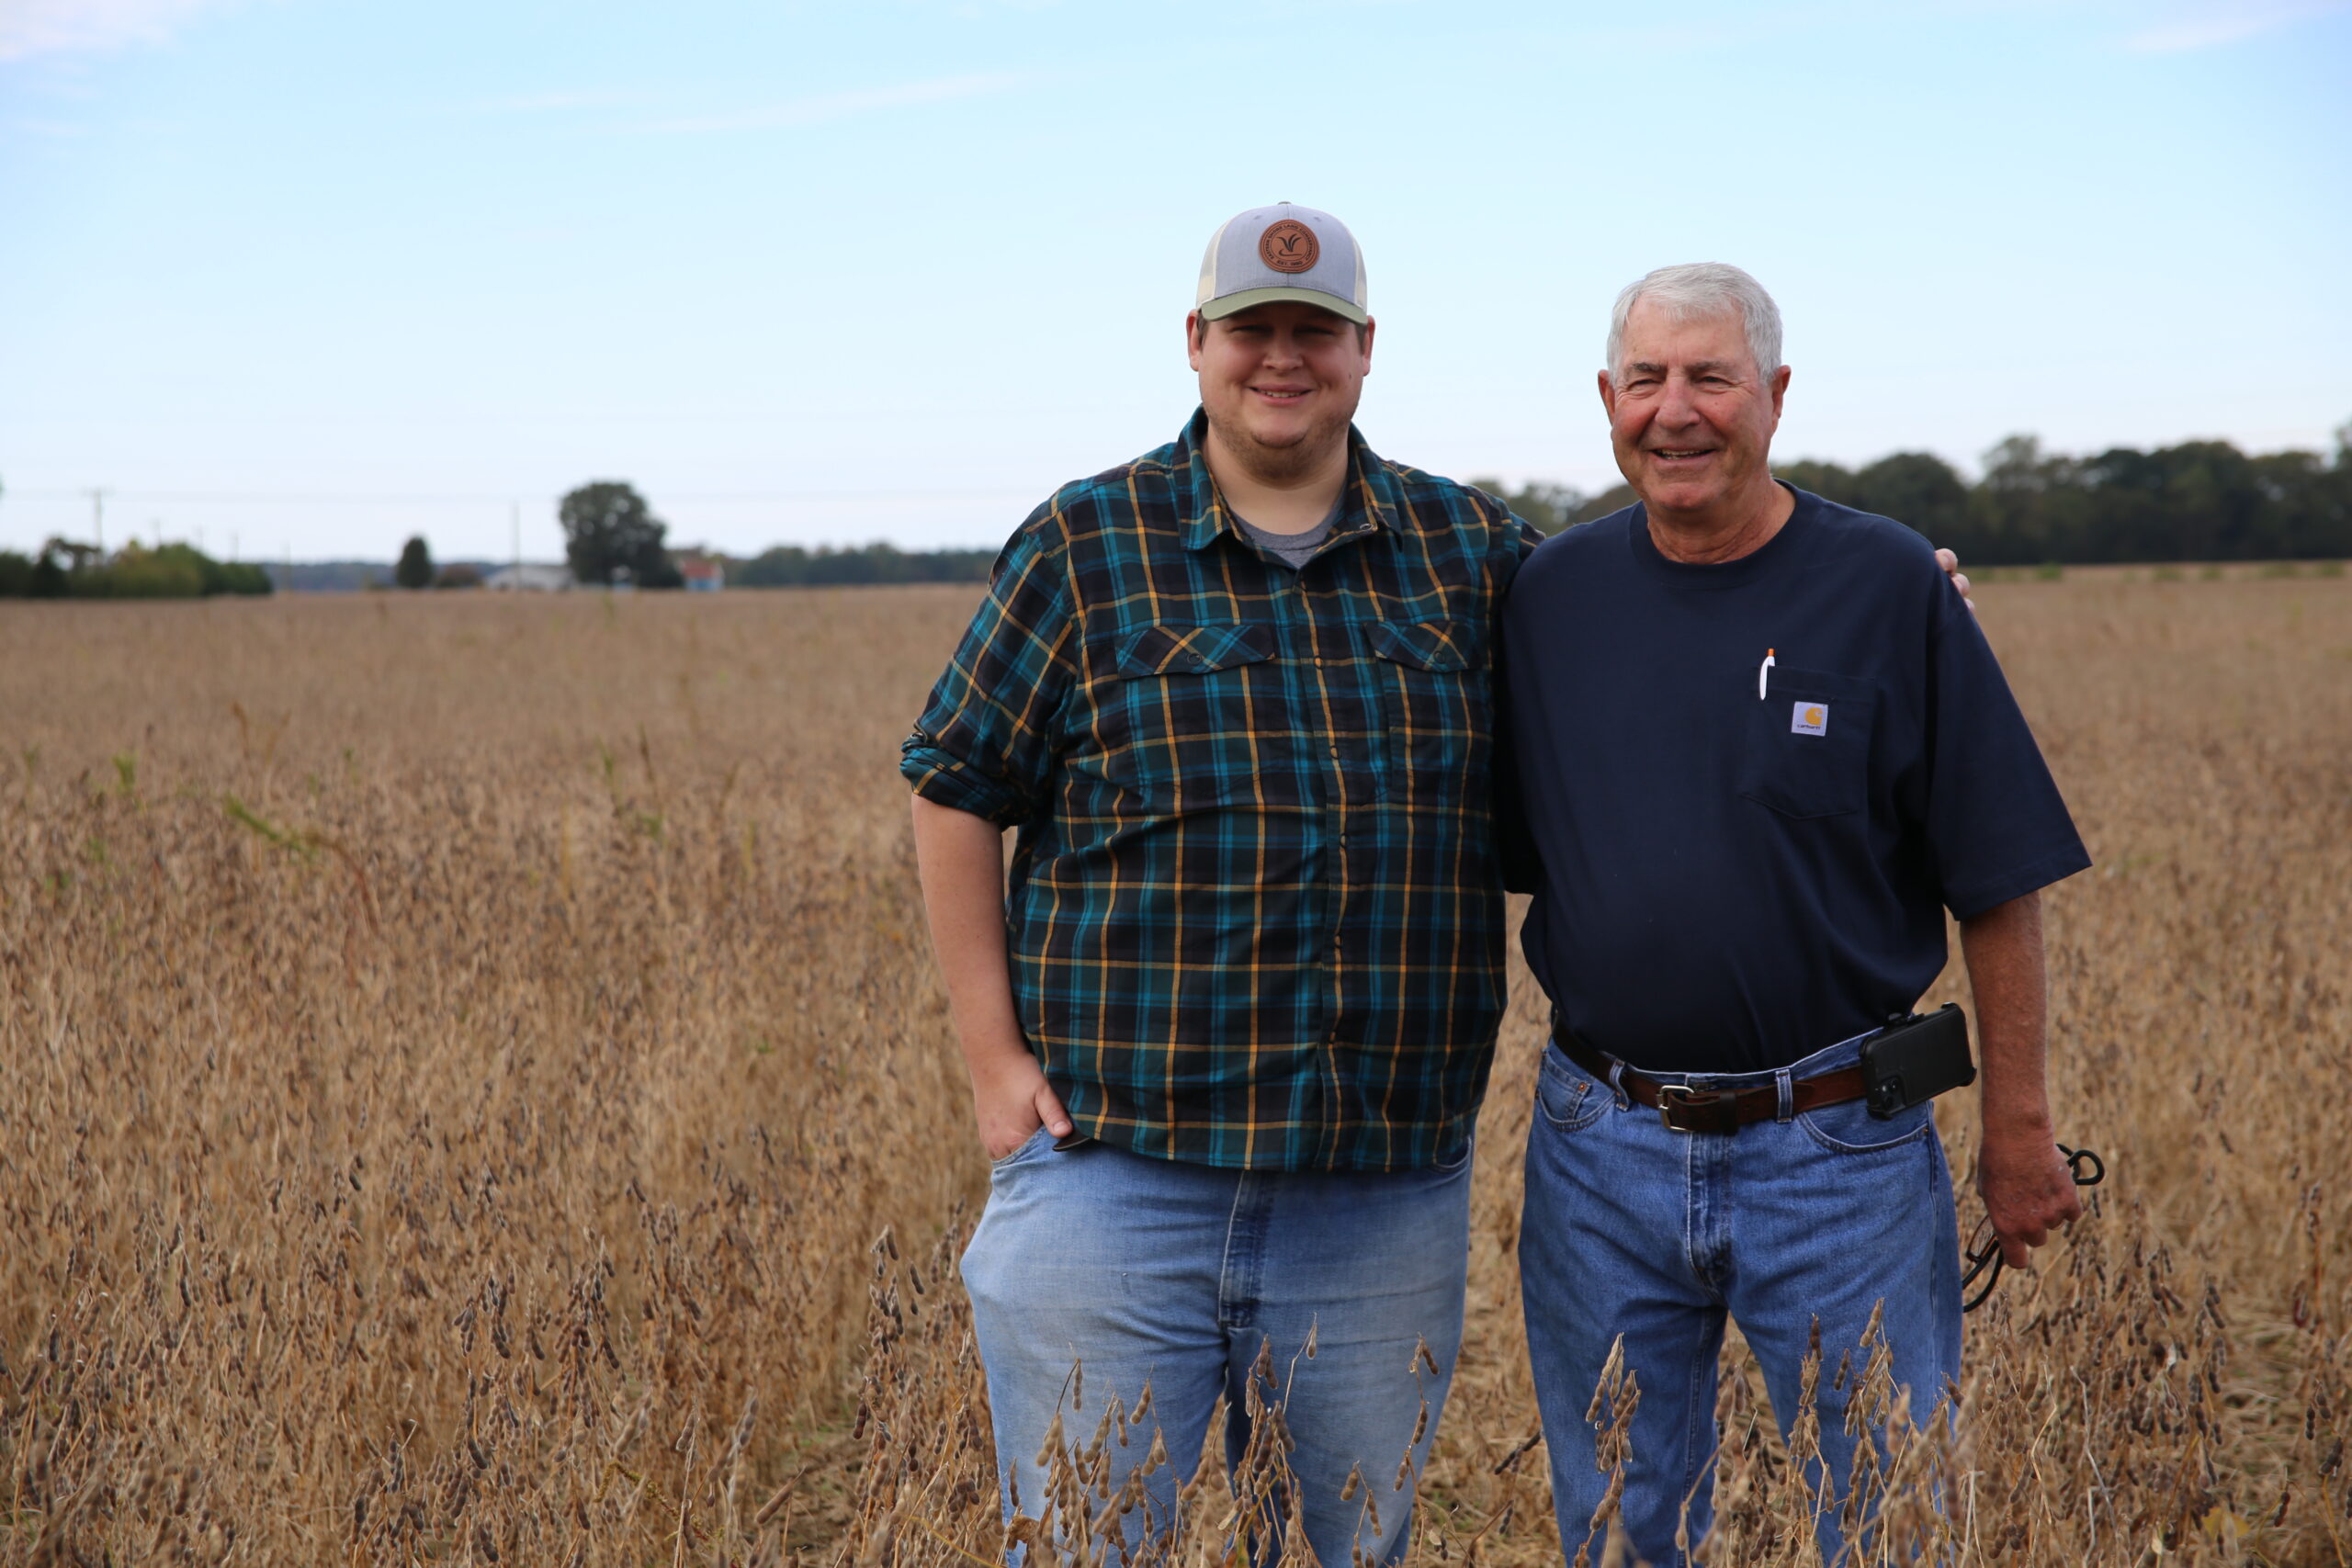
column 1702, row 289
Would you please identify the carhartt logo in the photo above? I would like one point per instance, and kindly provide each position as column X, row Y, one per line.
column 1289, row 246
column 1810, row 718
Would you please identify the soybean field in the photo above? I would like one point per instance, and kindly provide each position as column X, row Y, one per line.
column 474, row 1089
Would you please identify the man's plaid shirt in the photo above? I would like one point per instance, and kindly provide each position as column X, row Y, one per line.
column 1255, row 916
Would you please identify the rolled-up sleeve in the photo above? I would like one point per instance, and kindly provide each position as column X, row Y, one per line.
column 984, row 743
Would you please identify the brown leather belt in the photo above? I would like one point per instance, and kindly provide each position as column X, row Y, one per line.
column 1687, row 1109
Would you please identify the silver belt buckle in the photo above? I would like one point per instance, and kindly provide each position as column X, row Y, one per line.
column 1674, row 1097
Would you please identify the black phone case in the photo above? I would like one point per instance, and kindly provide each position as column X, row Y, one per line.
column 1915, row 1059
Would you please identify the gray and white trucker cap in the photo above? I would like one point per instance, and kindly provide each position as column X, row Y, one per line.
column 1282, row 252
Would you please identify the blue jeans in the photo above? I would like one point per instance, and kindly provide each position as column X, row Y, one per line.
column 1144, row 1270
column 1631, row 1228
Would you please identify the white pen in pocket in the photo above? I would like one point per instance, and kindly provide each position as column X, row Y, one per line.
column 1763, row 673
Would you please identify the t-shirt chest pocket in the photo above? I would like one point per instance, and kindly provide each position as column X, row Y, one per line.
column 1808, row 744
column 1435, row 705
column 1195, row 716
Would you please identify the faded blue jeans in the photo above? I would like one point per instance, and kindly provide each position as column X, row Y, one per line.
column 1145, row 1270
column 1632, row 1228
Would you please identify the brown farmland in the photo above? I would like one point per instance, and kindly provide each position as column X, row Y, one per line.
column 457, row 1057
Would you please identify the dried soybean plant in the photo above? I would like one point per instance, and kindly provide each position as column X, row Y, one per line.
column 457, row 1057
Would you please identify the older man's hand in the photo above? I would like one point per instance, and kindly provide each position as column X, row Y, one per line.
column 2027, row 1189
column 1950, row 561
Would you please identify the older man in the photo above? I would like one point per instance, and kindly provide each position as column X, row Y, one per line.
column 1760, row 746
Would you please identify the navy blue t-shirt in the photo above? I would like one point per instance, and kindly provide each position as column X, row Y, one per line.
column 1727, row 882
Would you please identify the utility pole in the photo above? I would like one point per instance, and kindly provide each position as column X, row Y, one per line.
column 99, row 519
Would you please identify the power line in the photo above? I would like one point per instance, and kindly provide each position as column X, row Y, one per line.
column 227, row 498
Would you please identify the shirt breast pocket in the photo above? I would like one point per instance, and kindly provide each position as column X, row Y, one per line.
column 1808, row 749
column 1195, row 716
column 1435, row 707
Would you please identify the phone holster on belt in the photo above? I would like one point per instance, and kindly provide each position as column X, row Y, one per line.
column 1915, row 1058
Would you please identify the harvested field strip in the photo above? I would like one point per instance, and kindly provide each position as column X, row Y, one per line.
column 458, row 1058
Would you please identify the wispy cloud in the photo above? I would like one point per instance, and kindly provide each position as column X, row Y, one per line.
column 2214, row 22
column 53, row 26
column 567, row 101
column 841, row 106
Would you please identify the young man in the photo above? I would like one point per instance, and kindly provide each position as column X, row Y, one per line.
column 1761, row 748
column 1228, row 1028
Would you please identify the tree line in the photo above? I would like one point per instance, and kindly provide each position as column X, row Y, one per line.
column 61, row 570
column 2197, row 500
column 791, row 566
column 611, row 534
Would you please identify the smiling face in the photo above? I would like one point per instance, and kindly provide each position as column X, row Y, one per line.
column 1280, row 383
column 1691, row 418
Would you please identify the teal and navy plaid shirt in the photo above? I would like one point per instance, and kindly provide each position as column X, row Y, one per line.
column 1255, row 916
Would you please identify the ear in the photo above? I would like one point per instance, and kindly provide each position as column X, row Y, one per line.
column 1197, row 332
column 1608, row 394
column 1371, row 327
column 1779, row 391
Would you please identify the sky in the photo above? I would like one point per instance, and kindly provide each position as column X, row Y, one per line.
column 299, row 278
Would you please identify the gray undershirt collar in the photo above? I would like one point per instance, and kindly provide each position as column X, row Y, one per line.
column 1293, row 549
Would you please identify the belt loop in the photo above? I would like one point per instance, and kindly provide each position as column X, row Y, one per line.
column 1616, row 1073
column 1788, row 1099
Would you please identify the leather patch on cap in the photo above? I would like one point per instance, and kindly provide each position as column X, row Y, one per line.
column 1289, row 246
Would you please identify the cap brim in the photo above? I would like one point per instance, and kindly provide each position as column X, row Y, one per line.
column 1217, row 309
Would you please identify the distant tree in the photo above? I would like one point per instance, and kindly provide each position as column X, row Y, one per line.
column 1827, row 481
column 608, row 528
column 48, row 577
column 78, row 556
column 457, row 574
column 1915, row 488
column 797, row 566
column 241, row 577
column 16, row 575
column 137, row 572
column 2212, row 501
column 415, row 568
column 2307, row 504
column 1616, row 498
column 2017, row 512
column 779, row 566
column 1548, row 508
